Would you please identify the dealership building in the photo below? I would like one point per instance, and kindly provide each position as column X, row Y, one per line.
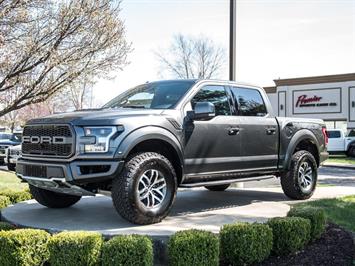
column 331, row 98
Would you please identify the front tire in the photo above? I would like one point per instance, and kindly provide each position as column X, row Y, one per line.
column 351, row 152
column 146, row 190
column 53, row 199
column 300, row 181
column 218, row 187
column 11, row 167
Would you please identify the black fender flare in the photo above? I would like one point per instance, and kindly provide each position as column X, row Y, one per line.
column 148, row 133
column 303, row 134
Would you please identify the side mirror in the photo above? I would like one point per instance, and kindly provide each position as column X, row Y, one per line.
column 204, row 111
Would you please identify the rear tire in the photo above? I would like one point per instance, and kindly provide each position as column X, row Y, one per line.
column 146, row 190
column 218, row 187
column 300, row 181
column 11, row 167
column 52, row 199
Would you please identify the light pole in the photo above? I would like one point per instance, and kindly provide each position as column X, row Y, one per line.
column 232, row 39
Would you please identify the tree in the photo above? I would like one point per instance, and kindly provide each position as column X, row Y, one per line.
column 190, row 57
column 47, row 46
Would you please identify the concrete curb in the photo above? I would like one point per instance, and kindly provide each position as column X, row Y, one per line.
column 350, row 167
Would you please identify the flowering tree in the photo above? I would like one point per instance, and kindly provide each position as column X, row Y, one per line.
column 47, row 46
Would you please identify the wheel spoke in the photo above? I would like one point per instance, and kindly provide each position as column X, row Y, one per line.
column 151, row 188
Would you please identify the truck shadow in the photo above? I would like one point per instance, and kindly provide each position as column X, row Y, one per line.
column 194, row 201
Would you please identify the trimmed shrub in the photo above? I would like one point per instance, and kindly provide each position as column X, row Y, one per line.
column 16, row 196
column 245, row 243
column 6, row 226
column 290, row 234
column 315, row 215
column 128, row 250
column 27, row 247
column 75, row 248
column 193, row 247
column 4, row 202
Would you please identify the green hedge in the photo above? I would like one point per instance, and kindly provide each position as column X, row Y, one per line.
column 4, row 226
column 16, row 196
column 245, row 243
column 4, row 202
column 290, row 234
column 315, row 215
column 128, row 250
column 23, row 247
column 193, row 247
column 75, row 248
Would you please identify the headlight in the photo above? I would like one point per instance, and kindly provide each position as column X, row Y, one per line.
column 101, row 138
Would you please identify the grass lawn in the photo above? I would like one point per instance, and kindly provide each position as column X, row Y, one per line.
column 9, row 180
column 340, row 211
column 340, row 159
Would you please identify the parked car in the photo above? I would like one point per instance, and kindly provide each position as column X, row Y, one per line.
column 340, row 142
column 7, row 140
column 159, row 136
column 11, row 155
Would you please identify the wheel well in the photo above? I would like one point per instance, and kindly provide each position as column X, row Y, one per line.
column 164, row 148
column 310, row 146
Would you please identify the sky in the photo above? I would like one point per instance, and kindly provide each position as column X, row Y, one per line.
column 275, row 38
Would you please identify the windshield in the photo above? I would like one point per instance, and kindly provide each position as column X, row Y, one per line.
column 8, row 136
column 156, row 95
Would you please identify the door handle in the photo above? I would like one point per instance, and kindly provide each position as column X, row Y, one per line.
column 233, row 131
column 271, row 131
column 353, row 104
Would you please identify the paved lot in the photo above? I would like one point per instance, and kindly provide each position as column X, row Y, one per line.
column 197, row 208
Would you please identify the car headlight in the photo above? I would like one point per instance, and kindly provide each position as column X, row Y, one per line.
column 100, row 138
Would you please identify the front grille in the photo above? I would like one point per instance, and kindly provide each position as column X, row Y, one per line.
column 35, row 170
column 47, row 148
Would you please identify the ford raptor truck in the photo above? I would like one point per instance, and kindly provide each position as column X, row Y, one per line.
column 150, row 140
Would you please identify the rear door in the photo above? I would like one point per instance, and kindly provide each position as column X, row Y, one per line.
column 335, row 141
column 259, row 130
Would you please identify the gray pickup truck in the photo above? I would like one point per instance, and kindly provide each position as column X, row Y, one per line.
column 150, row 140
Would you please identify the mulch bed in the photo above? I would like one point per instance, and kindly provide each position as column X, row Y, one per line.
column 335, row 247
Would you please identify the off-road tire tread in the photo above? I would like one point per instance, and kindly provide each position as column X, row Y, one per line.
column 120, row 188
column 287, row 179
column 52, row 199
column 218, row 187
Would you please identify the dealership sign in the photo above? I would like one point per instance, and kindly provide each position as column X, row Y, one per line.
column 317, row 101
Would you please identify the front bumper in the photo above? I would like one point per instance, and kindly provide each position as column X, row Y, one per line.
column 10, row 160
column 75, row 172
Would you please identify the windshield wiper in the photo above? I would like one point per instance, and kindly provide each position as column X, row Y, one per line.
column 133, row 106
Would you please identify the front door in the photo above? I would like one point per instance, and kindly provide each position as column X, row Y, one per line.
column 214, row 145
column 259, row 132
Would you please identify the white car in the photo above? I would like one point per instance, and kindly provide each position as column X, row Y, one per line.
column 340, row 141
column 11, row 155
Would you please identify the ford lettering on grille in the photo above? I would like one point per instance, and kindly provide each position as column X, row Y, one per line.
column 48, row 140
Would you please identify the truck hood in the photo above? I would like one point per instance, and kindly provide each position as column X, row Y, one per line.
column 94, row 117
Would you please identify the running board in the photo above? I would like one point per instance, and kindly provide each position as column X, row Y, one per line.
column 228, row 181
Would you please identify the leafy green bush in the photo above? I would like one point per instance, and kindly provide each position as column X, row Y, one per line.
column 128, row 250
column 245, row 243
column 23, row 247
column 4, row 202
column 6, row 226
column 16, row 196
column 193, row 247
column 290, row 234
column 315, row 215
column 75, row 248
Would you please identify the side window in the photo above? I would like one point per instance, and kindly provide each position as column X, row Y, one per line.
column 249, row 102
column 334, row 134
column 216, row 95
